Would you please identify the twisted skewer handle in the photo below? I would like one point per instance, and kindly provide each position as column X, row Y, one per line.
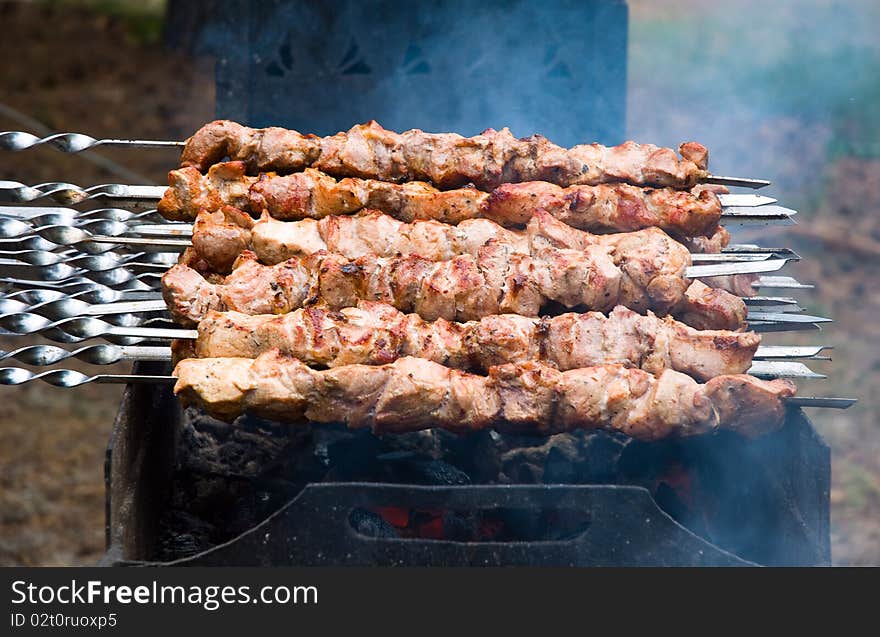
column 74, row 142
column 58, row 273
column 149, row 262
column 30, row 300
column 82, row 328
column 71, row 378
column 64, row 226
column 68, row 194
column 75, row 305
column 81, row 284
column 43, row 355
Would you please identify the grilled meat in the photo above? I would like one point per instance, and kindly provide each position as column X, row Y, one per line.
column 495, row 281
column 220, row 237
column 447, row 160
column 413, row 394
column 313, row 195
column 376, row 333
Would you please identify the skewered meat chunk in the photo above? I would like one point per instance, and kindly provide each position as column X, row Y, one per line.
column 447, row 160
column 376, row 333
column 313, row 195
column 412, row 394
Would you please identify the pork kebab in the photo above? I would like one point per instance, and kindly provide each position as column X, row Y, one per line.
column 447, row 160
column 312, row 194
column 412, row 394
column 376, row 333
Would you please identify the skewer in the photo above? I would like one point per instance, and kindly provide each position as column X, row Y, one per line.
column 786, row 317
column 72, row 307
column 70, row 194
column 44, row 215
column 781, row 282
column 21, row 319
column 101, row 300
column 774, row 352
column 61, row 273
column 77, row 329
column 162, row 247
column 77, row 142
column 78, row 284
column 35, row 298
column 44, row 355
column 821, row 401
column 744, row 201
column 70, row 378
column 743, row 182
column 38, row 243
column 94, row 262
column 112, row 270
column 734, row 205
column 82, row 327
column 68, row 320
column 771, row 301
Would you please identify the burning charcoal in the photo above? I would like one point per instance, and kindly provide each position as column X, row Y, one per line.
column 371, row 524
column 409, row 467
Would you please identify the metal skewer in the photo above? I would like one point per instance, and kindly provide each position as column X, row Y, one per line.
column 44, row 355
column 743, row 182
column 75, row 142
column 70, row 378
column 77, row 329
column 781, row 282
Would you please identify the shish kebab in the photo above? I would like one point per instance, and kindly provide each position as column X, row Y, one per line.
column 467, row 287
column 218, row 238
column 446, row 159
column 314, row 195
column 376, row 333
column 412, row 394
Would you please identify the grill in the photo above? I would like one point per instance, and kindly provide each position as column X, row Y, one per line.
column 721, row 500
column 184, row 488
